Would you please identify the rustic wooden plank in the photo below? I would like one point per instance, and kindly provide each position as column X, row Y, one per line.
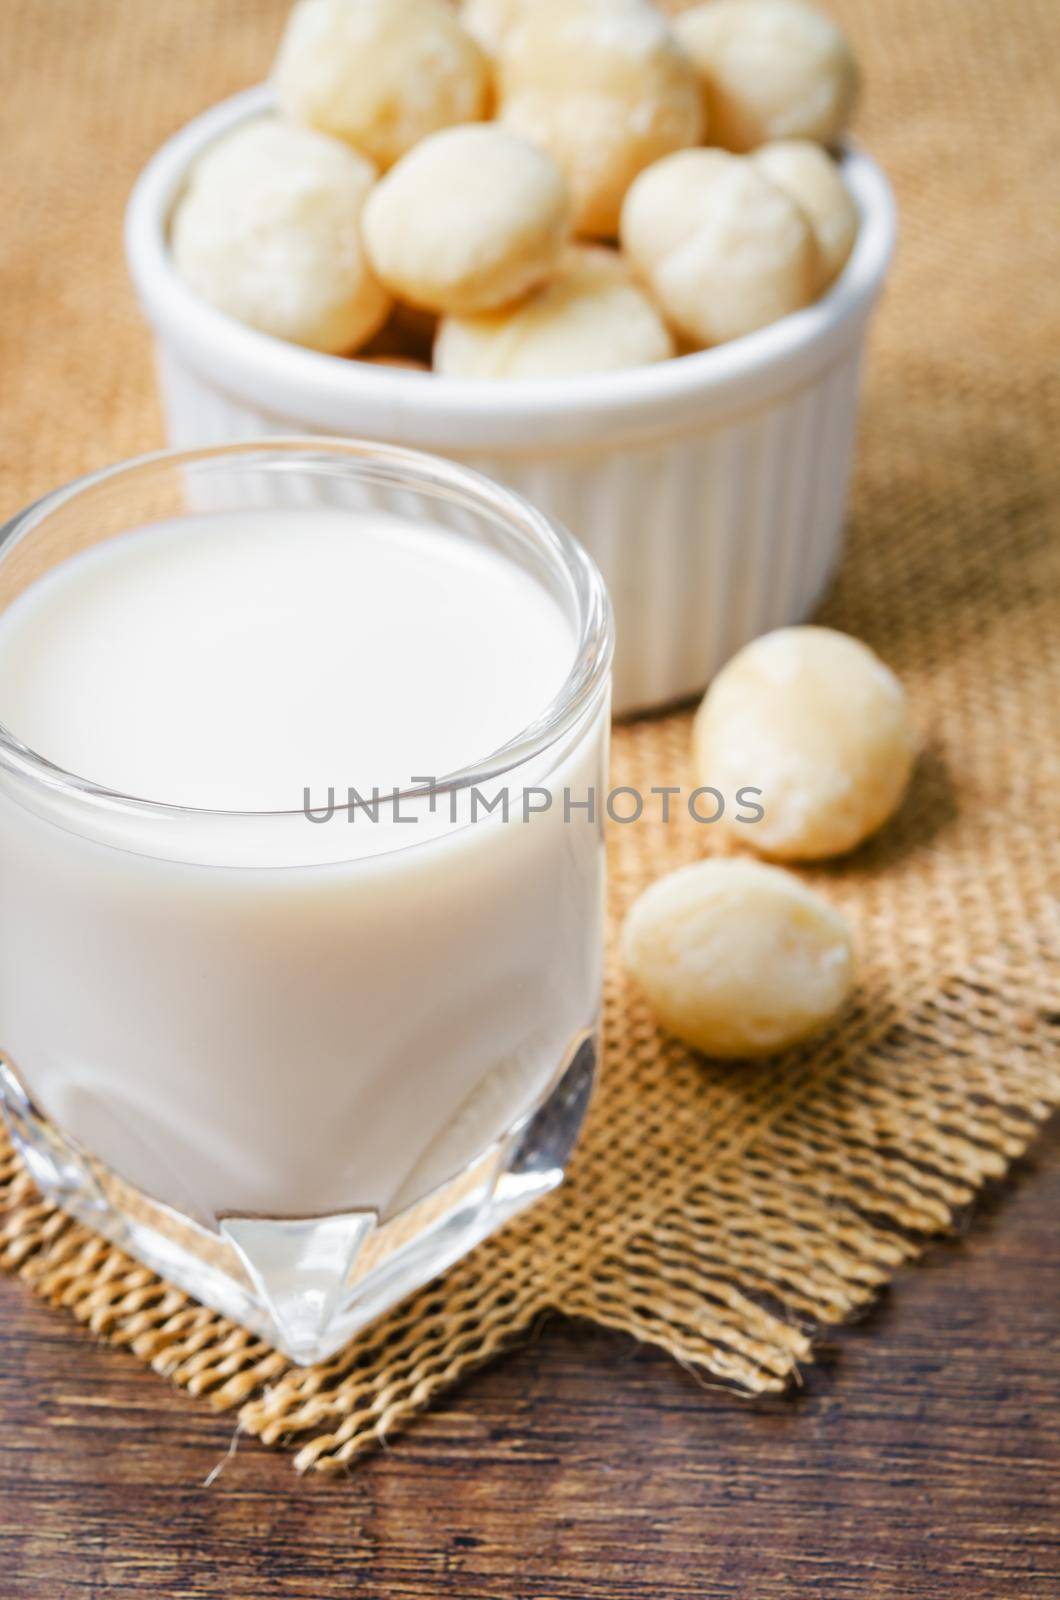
column 919, row 1460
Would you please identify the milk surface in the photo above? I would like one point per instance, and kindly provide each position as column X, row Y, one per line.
column 250, row 1015
column 229, row 661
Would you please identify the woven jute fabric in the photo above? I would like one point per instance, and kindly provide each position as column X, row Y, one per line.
column 721, row 1212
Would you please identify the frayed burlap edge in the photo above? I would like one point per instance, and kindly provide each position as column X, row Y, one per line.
column 731, row 1267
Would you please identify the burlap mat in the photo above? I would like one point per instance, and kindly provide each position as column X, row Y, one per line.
column 722, row 1213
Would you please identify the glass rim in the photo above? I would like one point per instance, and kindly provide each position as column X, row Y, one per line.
column 594, row 643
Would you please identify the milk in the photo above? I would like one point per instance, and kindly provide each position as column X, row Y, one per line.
column 229, row 661
column 241, row 1008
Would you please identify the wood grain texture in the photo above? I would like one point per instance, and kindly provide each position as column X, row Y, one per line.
column 921, row 1459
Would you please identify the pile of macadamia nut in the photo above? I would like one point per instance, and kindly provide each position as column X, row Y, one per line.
column 529, row 188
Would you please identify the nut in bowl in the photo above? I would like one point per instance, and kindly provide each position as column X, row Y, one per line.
column 710, row 488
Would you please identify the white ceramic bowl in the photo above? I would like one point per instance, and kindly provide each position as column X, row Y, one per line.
column 710, row 490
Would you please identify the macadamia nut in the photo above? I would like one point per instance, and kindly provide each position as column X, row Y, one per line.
column 737, row 958
column 604, row 86
column 722, row 249
column 770, row 69
column 590, row 317
column 488, row 21
column 268, row 230
column 380, row 74
column 469, row 220
column 814, row 720
column 808, row 173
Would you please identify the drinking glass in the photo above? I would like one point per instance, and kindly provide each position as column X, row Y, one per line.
column 300, row 1062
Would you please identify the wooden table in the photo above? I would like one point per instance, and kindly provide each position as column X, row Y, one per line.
column 921, row 1458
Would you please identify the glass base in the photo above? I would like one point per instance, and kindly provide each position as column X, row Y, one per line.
column 308, row 1284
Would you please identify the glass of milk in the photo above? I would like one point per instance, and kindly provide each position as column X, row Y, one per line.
column 302, row 763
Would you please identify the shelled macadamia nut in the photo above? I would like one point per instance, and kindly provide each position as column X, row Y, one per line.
column 817, row 722
column 590, row 317
column 269, row 230
column 721, row 248
column 488, row 21
column 770, row 69
column 380, row 74
column 808, row 173
column 605, row 87
column 736, row 958
column 467, row 221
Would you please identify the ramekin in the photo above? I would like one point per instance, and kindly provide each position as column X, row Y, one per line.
column 710, row 490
